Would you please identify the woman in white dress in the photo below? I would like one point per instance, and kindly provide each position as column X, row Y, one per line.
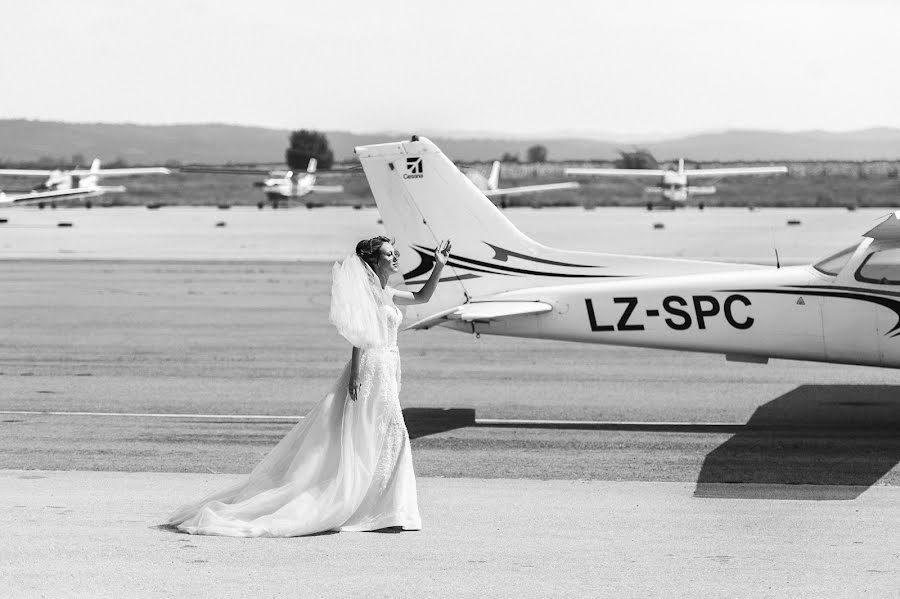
column 347, row 465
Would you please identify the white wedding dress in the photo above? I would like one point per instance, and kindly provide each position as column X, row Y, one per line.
column 346, row 466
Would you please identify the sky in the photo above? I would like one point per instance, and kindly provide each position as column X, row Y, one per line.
column 628, row 69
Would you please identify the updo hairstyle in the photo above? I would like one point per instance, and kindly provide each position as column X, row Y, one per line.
column 369, row 249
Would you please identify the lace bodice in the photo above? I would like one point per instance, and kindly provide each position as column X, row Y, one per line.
column 393, row 318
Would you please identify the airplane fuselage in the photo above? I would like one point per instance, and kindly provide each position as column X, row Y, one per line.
column 792, row 313
column 285, row 187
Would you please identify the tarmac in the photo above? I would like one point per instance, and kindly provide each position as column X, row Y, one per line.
column 98, row 534
column 698, row 477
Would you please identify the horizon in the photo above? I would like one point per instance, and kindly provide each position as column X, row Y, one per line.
column 481, row 135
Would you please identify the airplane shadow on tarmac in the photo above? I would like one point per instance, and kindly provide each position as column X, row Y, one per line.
column 816, row 442
column 421, row 422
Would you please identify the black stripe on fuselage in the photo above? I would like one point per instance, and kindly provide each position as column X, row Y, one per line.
column 501, row 269
column 802, row 290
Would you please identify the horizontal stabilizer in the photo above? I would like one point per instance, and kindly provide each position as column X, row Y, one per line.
column 327, row 188
column 19, row 172
column 121, row 172
column 227, row 170
column 483, row 312
column 730, row 172
column 531, row 189
column 617, row 172
column 701, row 190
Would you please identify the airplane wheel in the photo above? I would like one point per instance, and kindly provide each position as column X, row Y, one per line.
column 260, row 205
column 41, row 205
column 700, row 206
column 274, row 205
column 53, row 205
column 650, row 206
column 88, row 205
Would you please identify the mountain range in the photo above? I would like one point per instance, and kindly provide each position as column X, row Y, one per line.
column 27, row 140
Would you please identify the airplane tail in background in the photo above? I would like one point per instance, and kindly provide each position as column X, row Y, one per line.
column 424, row 199
column 494, row 180
column 311, row 167
column 95, row 165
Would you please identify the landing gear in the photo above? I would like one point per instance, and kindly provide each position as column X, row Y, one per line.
column 41, row 205
column 260, row 205
column 650, row 206
column 53, row 205
column 700, row 206
column 274, row 204
column 88, row 204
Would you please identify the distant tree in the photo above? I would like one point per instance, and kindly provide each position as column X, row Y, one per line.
column 509, row 157
column 306, row 144
column 537, row 153
column 637, row 158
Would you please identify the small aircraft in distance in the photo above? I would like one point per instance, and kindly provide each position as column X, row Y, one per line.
column 68, row 185
column 491, row 186
column 673, row 185
column 844, row 309
column 279, row 186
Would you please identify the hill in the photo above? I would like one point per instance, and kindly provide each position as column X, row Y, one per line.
column 25, row 140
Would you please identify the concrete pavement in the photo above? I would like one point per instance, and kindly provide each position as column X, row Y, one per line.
column 78, row 534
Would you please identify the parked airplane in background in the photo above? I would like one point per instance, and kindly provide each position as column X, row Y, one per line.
column 844, row 309
column 491, row 186
column 75, row 184
column 279, row 186
column 673, row 186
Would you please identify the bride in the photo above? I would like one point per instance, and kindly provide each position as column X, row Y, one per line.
column 347, row 465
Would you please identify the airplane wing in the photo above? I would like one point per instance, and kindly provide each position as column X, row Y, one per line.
column 617, row 172
column 42, row 196
column 327, row 188
column 728, row 172
column 122, row 172
column 530, row 189
column 482, row 312
column 226, row 170
column 20, row 172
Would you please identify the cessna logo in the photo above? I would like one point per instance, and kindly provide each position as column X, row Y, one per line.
column 413, row 168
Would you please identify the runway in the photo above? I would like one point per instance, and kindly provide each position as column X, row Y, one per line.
column 243, row 233
column 228, row 355
column 96, row 534
column 589, row 468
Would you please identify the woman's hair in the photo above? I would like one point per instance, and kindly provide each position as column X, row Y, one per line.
column 369, row 249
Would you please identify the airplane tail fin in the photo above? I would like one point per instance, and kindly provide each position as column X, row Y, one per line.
column 311, row 167
column 494, row 179
column 95, row 165
column 423, row 199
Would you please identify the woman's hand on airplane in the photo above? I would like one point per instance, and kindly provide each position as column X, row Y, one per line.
column 442, row 253
column 353, row 387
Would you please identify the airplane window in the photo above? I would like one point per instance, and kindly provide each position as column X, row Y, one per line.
column 833, row 264
column 881, row 268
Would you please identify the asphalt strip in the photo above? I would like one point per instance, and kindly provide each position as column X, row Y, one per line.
column 477, row 422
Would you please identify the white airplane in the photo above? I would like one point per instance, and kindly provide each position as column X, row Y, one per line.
column 673, row 186
column 75, row 184
column 279, row 185
column 843, row 309
column 491, row 186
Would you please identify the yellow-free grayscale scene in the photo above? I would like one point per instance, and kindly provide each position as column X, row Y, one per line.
column 479, row 299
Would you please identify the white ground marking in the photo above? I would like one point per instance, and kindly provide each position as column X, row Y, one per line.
column 477, row 421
